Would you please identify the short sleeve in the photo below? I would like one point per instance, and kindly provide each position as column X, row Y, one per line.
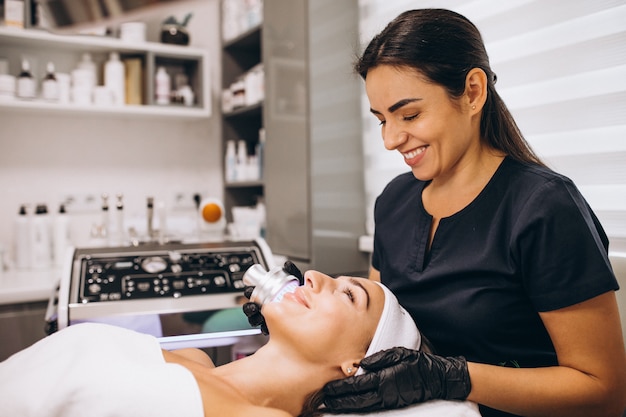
column 560, row 247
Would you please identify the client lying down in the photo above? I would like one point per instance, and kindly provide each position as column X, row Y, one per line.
column 101, row 370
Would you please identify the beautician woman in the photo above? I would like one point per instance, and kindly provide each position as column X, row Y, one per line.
column 498, row 259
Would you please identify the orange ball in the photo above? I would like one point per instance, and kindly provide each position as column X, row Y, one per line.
column 211, row 212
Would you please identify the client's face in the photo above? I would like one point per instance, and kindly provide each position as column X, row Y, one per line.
column 327, row 318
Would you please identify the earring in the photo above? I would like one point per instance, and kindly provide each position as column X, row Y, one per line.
column 349, row 370
column 473, row 107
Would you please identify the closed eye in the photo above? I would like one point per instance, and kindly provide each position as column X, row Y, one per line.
column 411, row 117
column 349, row 293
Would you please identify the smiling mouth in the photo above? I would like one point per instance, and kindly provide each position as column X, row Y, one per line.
column 299, row 297
column 415, row 152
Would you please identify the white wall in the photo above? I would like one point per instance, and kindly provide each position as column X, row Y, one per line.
column 44, row 157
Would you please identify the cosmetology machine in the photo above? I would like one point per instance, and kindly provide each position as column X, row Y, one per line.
column 139, row 287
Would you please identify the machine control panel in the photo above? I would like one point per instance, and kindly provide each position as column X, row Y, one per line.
column 172, row 273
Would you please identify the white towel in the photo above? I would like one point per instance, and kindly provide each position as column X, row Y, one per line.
column 96, row 370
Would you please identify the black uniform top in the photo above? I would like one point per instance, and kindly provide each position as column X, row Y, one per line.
column 528, row 243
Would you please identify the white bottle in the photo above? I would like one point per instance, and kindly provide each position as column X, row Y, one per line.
column 41, row 256
column 22, row 239
column 230, row 162
column 49, row 84
column 26, row 85
column 163, row 86
column 87, row 64
column 262, row 213
column 114, row 79
column 260, row 152
column 61, row 239
column 242, row 161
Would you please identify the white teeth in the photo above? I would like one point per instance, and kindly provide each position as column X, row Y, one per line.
column 413, row 154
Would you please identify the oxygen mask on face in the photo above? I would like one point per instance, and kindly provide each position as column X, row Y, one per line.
column 269, row 286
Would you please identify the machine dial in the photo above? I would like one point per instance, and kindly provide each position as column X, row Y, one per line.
column 154, row 264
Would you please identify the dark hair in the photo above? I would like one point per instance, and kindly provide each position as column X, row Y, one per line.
column 313, row 403
column 444, row 46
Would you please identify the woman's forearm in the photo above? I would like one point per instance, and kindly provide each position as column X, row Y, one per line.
column 554, row 391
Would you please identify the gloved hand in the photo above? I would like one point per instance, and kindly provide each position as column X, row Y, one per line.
column 399, row 377
column 253, row 310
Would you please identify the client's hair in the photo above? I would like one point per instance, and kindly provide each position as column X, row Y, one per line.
column 312, row 405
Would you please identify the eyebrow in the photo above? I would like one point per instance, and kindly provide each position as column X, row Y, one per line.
column 367, row 294
column 397, row 105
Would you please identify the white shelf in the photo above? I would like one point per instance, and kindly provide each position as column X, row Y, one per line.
column 178, row 112
column 33, row 40
column 40, row 39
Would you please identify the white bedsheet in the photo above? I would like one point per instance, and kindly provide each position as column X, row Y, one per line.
column 96, row 370
column 436, row 408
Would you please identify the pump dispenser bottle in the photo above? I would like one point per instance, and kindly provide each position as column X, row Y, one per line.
column 270, row 286
column 26, row 86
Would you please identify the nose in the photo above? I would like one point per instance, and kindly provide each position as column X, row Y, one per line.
column 393, row 137
column 316, row 281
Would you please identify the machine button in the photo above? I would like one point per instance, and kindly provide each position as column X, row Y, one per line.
column 94, row 288
column 154, row 264
column 234, row 267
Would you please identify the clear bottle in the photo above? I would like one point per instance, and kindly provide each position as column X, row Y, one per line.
column 114, row 78
column 49, row 84
column 22, row 238
column 26, row 85
column 270, row 286
column 163, row 86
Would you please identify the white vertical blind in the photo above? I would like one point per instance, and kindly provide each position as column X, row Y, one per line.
column 561, row 67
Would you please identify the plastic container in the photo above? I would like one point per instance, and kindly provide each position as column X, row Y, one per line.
column 270, row 286
column 86, row 63
column 49, row 84
column 242, row 161
column 230, row 162
column 22, row 238
column 41, row 253
column 14, row 13
column 114, row 79
column 61, row 239
column 26, row 85
column 8, row 85
column 163, row 86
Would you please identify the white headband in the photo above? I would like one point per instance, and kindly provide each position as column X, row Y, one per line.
column 395, row 328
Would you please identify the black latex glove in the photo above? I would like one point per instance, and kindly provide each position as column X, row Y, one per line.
column 253, row 310
column 399, row 377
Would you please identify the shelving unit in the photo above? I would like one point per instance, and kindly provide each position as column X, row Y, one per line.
column 239, row 55
column 39, row 47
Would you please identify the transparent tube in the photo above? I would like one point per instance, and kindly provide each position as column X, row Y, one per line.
column 270, row 286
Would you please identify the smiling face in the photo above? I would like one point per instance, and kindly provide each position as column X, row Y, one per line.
column 434, row 133
column 327, row 319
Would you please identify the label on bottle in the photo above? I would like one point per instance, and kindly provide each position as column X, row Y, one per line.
column 50, row 90
column 26, row 87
